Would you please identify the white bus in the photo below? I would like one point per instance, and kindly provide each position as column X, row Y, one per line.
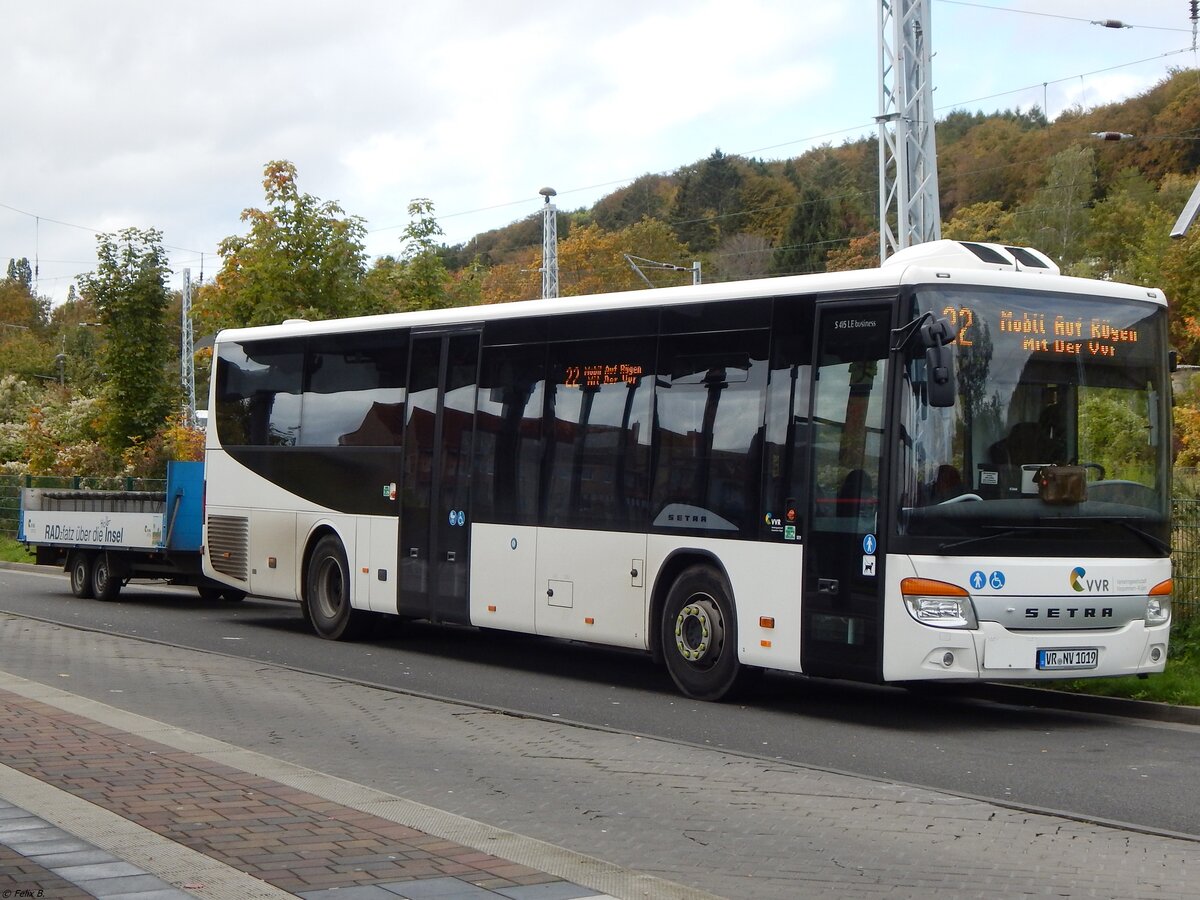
column 954, row 467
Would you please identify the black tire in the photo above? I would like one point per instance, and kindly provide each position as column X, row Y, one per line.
column 233, row 595
column 209, row 594
column 79, row 567
column 699, row 636
column 106, row 583
column 327, row 594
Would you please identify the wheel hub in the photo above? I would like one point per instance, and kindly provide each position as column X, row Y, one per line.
column 330, row 594
column 699, row 631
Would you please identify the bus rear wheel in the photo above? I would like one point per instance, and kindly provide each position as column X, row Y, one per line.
column 699, row 635
column 327, row 594
column 80, row 570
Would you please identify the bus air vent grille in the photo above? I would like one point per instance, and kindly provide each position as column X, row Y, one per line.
column 228, row 545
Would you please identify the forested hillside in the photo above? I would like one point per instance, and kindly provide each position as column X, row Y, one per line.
column 70, row 393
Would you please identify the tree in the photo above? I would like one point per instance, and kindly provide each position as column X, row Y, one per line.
column 859, row 253
column 303, row 258
column 592, row 261
column 740, row 257
column 425, row 274
column 419, row 278
column 75, row 333
column 21, row 272
column 1058, row 218
column 646, row 196
column 986, row 221
column 708, row 195
column 807, row 240
column 130, row 293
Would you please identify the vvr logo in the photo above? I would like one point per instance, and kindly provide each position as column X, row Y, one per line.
column 1080, row 583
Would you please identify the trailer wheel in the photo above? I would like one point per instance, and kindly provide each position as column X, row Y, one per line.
column 80, row 569
column 106, row 583
column 327, row 594
column 699, row 635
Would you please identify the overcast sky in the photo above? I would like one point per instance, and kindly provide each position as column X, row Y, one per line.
column 159, row 114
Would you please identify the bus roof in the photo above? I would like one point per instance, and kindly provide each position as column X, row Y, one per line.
column 942, row 262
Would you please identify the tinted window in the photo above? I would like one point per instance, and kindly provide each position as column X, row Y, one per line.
column 258, row 393
column 849, row 405
column 710, row 399
column 598, row 433
column 722, row 316
column 354, row 391
column 605, row 323
column 784, row 462
column 509, row 435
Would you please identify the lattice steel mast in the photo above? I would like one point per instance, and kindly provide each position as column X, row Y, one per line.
column 908, row 183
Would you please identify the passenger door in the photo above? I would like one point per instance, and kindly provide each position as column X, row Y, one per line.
column 844, row 546
column 435, row 516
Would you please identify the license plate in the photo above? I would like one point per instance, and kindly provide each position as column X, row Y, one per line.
column 1074, row 658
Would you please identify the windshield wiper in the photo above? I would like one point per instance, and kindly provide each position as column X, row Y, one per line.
column 1161, row 546
column 1002, row 533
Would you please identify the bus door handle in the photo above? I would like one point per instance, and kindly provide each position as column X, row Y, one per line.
column 414, row 552
column 449, row 556
column 827, row 586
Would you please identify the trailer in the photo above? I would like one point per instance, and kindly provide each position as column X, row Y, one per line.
column 105, row 539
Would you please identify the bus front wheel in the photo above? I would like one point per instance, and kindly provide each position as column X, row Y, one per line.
column 327, row 594
column 699, row 635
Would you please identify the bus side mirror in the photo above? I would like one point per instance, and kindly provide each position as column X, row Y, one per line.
column 939, row 367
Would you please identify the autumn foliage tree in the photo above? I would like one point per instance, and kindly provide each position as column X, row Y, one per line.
column 302, row 258
column 129, row 291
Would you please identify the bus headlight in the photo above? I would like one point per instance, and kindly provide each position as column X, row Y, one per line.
column 1158, row 605
column 938, row 603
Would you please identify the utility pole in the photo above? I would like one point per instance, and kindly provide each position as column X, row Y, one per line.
column 908, row 184
column 187, row 362
column 549, row 245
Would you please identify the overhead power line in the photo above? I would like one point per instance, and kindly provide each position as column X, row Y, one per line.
column 1107, row 23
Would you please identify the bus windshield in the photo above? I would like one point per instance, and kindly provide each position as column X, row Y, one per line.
column 1059, row 436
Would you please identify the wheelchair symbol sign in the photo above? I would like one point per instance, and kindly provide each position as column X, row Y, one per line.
column 980, row 580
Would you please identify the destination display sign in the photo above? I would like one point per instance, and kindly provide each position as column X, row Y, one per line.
column 599, row 374
column 1044, row 333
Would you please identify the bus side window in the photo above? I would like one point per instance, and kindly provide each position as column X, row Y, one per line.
column 508, row 434
column 258, row 393
column 597, row 427
column 354, row 390
column 784, row 463
column 708, row 430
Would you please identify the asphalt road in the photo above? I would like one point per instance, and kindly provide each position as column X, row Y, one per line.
column 1091, row 766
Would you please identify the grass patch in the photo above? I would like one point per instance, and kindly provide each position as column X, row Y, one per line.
column 12, row 550
column 1179, row 684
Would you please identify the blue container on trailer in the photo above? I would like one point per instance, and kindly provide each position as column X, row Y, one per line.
column 183, row 516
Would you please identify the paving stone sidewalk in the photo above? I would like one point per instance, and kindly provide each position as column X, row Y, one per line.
column 288, row 838
column 619, row 814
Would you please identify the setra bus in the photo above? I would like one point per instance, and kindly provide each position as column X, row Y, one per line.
column 954, row 467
